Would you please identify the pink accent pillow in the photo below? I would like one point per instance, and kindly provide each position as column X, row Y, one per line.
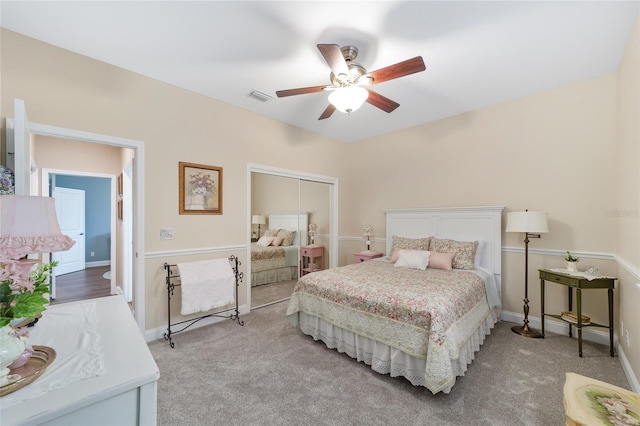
column 394, row 255
column 441, row 261
column 277, row 241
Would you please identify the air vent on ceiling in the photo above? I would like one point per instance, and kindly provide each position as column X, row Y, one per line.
column 258, row 95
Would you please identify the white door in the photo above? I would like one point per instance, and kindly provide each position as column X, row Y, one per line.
column 19, row 149
column 70, row 211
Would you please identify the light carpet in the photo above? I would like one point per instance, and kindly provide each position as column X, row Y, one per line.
column 269, row 373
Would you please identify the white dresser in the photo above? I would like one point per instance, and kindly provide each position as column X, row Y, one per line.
column 126, row 394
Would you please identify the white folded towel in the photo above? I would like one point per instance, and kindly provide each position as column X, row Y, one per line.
column 206, row 284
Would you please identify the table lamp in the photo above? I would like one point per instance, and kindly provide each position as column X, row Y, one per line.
column 258, row 219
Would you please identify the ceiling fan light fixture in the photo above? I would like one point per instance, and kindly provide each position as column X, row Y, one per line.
column 348, row 99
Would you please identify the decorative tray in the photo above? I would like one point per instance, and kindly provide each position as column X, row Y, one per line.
column 41, row 358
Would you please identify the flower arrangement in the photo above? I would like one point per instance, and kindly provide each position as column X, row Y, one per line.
column 569, row 258
column 201, row 183
column 22, row 292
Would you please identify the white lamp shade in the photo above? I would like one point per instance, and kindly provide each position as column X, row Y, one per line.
column 531, row 222
column 367, row 231
column 313, row 229
column 29, row 225
column 348, row 99
column 258, row 219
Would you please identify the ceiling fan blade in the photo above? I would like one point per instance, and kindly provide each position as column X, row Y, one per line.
column 327, row 112
column 410, row 66
column 299, row 91
column 333, row 55
column 384, row 103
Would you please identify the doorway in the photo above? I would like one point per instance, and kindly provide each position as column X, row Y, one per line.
column 19, row 133
column 93, row 228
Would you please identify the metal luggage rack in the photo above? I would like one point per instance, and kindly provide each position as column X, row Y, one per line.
column 171, row 285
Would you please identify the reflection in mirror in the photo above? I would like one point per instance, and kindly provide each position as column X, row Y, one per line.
column 274, row 257
column 315, row 200
column 288, row 204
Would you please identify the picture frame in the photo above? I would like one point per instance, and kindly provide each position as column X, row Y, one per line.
column 200, row 188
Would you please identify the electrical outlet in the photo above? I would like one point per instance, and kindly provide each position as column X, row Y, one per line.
column 166, row 234
column 627, row 338
column 93, row 253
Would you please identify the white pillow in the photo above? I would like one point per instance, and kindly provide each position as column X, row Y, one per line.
column 264, row 241
column 479, row 251
column 415, row 259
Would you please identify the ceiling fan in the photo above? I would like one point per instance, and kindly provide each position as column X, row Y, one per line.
column 350, row 81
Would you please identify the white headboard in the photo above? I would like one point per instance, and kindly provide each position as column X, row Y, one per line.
column 456, row 223
column 291, row 221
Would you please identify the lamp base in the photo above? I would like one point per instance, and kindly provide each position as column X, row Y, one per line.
column 526, row 331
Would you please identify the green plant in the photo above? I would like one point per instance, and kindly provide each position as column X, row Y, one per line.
column 22, row 293
column 570, row 258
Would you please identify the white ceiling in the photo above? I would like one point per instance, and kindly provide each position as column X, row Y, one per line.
column 477, row 53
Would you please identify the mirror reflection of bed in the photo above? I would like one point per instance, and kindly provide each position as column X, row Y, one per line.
column 287, row 202
column 275, row 258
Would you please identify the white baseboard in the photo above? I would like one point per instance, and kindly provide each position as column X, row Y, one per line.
column 628, row 371
column 158, row 333
column 591, row 334
column 553, row 325
column 97, row 263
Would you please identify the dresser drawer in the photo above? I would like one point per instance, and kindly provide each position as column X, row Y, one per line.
column 572, row 282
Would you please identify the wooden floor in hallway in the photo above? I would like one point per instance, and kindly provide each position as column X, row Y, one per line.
column 86, row 284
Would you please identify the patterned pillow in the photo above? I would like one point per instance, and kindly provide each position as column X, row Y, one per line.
column 271, row 233
column 464, row 252
column 407, row 244
column 287, row 236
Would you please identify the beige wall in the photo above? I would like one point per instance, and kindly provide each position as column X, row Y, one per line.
column 53, row 153
column 67, row 90
column 627, row 219
column 556, row 151
column 553, row 152
column 273, row 194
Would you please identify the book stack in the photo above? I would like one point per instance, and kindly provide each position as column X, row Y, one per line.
column 572, row 317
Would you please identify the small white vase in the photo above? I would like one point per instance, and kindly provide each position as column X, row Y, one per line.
column 197, row 202
column 11, row 347
column 571, row 266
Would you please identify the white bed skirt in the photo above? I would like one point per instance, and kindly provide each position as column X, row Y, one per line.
column 388, row 360
column 274, row 275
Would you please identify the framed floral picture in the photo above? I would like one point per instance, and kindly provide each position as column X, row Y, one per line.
column 200, row 189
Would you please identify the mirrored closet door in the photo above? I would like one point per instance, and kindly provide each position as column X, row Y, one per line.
column 287, row 205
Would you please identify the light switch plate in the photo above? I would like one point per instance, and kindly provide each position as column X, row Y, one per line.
column 166, row 234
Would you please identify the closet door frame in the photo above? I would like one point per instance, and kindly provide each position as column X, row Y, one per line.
column 333, row 210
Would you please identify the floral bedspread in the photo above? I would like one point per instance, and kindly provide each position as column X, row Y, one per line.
column 266, row 258
column 427, row 314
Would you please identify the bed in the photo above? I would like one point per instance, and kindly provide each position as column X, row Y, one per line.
column 274, row 264
column 424, row 325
